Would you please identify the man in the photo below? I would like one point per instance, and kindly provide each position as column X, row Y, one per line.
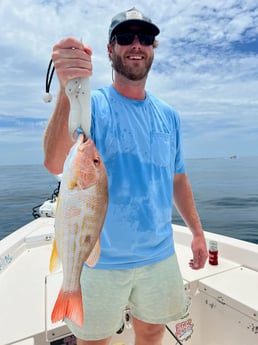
column 139, row 139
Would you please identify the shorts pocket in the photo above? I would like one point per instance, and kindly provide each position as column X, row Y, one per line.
column 161, row 146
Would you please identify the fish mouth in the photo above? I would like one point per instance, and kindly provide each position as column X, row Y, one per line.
column 82, row 139
column 85, row 143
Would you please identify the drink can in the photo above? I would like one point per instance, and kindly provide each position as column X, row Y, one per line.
column 213, row 253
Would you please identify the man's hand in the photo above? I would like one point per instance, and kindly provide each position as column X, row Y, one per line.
column 200, row 253
column 72, row 59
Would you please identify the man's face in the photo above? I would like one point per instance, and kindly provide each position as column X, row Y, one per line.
column 133, row 60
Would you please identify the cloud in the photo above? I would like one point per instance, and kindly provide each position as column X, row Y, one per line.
column 21, row 140
column 206, row 65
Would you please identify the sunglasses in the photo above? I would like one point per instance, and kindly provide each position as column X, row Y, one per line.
column 126, row 39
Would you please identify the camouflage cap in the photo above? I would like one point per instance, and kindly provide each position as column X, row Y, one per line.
column 132, row 17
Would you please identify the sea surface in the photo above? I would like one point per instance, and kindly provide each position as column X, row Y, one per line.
column 225, row 191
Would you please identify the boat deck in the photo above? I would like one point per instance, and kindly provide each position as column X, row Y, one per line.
column 27, row 291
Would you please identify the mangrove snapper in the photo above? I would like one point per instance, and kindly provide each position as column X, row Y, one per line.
column 80, row 214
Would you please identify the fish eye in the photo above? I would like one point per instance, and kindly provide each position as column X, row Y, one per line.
column 96, row 161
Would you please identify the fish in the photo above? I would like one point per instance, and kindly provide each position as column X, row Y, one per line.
column 80, row 213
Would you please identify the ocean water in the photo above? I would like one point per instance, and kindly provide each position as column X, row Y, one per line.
column 225, row 191
column 226, row 195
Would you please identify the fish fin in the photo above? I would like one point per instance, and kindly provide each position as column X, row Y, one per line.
column 94, row 255
column 73, row 184
column 68, row 305
column 54, row 259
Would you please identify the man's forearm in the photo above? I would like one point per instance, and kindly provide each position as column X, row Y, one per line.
column 56, row 140
column 184, row 202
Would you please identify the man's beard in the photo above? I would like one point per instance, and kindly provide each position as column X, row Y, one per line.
column 130, row 72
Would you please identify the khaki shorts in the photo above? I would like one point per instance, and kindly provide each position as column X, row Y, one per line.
column 154, row 293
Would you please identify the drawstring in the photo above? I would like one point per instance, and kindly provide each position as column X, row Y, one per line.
column 47, row 98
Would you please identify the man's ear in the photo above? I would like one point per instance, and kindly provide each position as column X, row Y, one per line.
column 109, row 49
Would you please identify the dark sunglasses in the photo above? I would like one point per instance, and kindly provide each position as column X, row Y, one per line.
column 128, row 38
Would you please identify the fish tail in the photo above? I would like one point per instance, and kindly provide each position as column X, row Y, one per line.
column 54, row 259
column 69, row 305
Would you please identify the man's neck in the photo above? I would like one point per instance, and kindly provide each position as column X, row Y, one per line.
column 130, row 88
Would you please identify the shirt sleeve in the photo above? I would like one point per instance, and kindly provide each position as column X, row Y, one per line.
column 179, row 157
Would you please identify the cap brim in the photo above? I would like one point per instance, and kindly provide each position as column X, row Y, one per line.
column 147, row 27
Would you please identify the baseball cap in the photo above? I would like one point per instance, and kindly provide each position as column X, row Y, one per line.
column 132, row 17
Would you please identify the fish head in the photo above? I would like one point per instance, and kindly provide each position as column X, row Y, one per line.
column 87, row 166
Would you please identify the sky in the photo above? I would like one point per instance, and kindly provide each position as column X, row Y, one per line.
column 206, row 67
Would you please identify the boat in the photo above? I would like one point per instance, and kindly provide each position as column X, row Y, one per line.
column 224, row 297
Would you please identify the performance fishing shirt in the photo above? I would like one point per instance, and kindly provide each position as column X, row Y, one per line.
column 140, row 144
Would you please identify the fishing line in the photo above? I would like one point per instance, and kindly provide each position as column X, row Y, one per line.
column 170, row 331
column 47, row 98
